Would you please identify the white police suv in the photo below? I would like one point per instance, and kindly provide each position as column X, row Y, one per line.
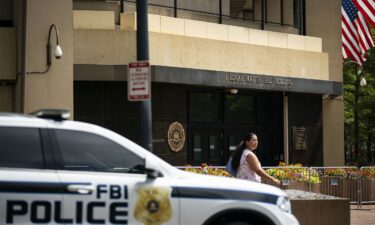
column 55, row 171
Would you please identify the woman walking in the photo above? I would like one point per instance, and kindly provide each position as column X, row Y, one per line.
column 247, row 163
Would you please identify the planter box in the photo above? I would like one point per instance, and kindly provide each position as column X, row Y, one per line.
column 322, row 212
column 333, row 186
column 350, row 189
column 296, row 185
column 304, row 186
column 351, row 185
column 368, row 189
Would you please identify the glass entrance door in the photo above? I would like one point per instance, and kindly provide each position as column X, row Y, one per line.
column 213, row 146
column 217, row 122
column 232, row 141
column 206, row 147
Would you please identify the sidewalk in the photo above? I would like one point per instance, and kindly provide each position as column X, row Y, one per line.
column 363, row 216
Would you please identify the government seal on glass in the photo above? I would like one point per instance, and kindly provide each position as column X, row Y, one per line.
column 176, row 136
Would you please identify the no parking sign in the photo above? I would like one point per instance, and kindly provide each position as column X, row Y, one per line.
column 139, row 81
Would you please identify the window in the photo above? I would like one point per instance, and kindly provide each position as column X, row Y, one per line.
column 205, row 107
column 215, row 153
column 197, row 148
column 299, row 16
column 240, row 109
column 89, row 152
column 20, row 148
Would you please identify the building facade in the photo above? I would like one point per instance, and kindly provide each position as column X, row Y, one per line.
column 221, row 69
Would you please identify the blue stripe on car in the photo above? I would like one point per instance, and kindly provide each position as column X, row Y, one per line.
column 215, row 193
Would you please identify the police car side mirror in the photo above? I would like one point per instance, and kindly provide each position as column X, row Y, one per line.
column 152, row 173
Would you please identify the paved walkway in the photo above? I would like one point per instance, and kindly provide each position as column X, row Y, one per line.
column 363, row 216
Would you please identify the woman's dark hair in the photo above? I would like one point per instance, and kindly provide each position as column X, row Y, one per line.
column 239, row 150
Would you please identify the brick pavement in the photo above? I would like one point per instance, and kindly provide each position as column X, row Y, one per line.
column 363, row 216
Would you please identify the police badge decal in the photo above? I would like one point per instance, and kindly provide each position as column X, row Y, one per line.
column 153, row 206
column 176, row 136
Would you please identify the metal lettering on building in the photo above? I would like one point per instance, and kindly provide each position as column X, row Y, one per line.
column 252, row 81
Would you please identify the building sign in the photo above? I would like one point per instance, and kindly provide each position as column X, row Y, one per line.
column 299, row 138
column 139, row 81
column 260, row 82
column 210, row 78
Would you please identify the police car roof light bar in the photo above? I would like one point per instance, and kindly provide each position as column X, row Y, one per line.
column 55, row 114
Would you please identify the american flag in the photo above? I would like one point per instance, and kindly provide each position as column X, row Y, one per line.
column 356, row 37
column 367, row 8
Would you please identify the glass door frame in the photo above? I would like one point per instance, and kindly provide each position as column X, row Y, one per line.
column 223, row 142
column 206, row 133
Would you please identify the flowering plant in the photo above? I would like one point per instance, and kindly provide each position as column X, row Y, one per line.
column 335, row 172
column 294, row 172
column 365, row 172
column 205, row 169
column 368, row 172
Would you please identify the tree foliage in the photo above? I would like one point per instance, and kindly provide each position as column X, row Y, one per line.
column 359, row 111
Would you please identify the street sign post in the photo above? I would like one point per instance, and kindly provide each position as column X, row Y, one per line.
column 139, row 81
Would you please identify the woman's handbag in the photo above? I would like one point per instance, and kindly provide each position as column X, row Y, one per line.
column 229, row 167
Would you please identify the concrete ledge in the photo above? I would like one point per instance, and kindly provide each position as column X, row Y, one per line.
column 279, row 40
column 201, row 29
column 171, row 25
column 194, row 28
column 258, row 37
column 217, row 32
column 154, row 22
column 296, row 42
column 128, row 21
column 313, row 44
column 118, row 47
column 322, row 212
column 238, row 34
column 85, row 19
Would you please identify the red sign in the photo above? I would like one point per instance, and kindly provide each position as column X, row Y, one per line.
column 139, row 81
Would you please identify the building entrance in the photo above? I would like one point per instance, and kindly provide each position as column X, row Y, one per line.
column 213, row 146
column 214, row 120
column 206, row 146
column 217, row 122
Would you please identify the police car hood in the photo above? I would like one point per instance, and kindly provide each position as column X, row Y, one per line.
column 192, row 180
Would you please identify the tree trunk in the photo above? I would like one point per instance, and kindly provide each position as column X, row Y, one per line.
column 356, row 122
column 369, row 156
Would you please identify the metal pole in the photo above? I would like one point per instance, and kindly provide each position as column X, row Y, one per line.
column 310, row 180
column 262, row 19
column 286, row 129
column 303, row 17
column 24, row 56
column 122, row 6
column 175, row 8
column 220, row 11
column 282, row 12
column 265, row 11
column 359, row 193
column 145, row 110
column 253, row 8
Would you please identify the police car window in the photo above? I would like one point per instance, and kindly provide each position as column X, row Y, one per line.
column 89, row 152
column 20, row 148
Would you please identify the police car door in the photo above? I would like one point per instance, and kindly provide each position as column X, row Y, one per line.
column 29, row 191
column 104, row 183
